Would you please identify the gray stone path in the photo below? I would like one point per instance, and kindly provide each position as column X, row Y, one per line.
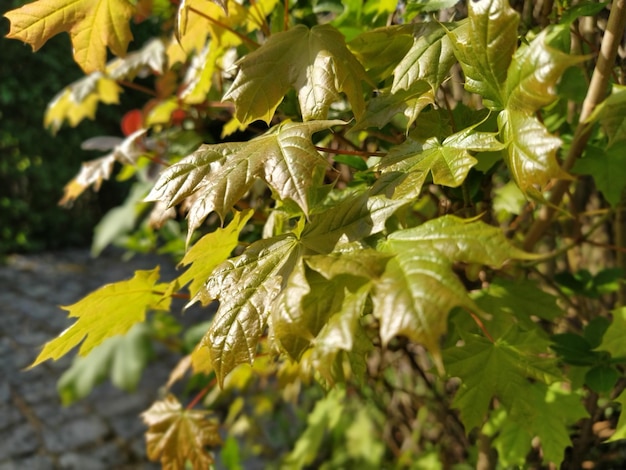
column 102, row 431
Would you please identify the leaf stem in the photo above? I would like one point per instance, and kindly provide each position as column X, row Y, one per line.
column 243, row 37
column 286, row 16
column 201, row 394
column 351, row 152
column 481, row 325
column 596, row 93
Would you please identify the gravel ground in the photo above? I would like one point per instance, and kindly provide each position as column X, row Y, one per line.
column 102, row 431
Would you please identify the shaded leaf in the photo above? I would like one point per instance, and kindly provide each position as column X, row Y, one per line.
column 384, row 107
column 246, row 286
column 315, row 62
column 92, row 27
column 531, row 150
column 381, row 49
column 211, row 250
column 500, row 369
column 176, row 435
column 111, row 310
column 608, row 168
column 486, row 47
column 122, row 357
column 612, row 115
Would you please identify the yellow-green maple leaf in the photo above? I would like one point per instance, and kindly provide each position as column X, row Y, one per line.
column 92, row 24
column 176, row 435
column 111, row 310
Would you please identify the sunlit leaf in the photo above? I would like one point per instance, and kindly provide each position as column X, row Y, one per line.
column 613, row 339
column 533, row 74
column 176, row 435
column 429, row 59
column 221, row 174
column 531, row 150
column 620, row 428
column 486, row 47
column 150, row 58
column 92, row 27
column 315, row 62
column 111, row 310
column 246, row 286
column 449, row 162
column 209, row 251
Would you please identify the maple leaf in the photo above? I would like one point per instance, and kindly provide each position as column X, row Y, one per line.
column 221, row 174
column 246, row 287
column 611, row 116
column 498, row 369
column 92, row 27
column 111, row 310
column 448, row 161
column 429, row 58
column 485, row 48
column 608, row 168
column 613, row 339
column 620, row 428
column 93, row 172
column 381, row 49
column 80, row 100
column 211, row 250
column 382, row 108
column 531, row 150
column 533, row 74
column 176, row 435
column 418, row 289
column 316, row 62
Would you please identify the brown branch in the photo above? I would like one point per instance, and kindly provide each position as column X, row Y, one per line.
column 596, row 93
column 134, row 86
column 351, row 152
column 481, row 325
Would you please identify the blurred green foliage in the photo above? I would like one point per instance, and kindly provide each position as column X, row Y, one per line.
column 35, row 165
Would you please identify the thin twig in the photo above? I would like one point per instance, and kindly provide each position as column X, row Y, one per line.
column 351, row 152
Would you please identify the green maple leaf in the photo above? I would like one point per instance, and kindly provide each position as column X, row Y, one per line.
column 547, row 413
column 316, row 62
column 384, row 107
column 486, row 47
column 429, row 59
column 608, row 168
column 449, row 162
column 418, row 289
column 176, row 435
column 381, row 49
column 92, row 26
column 611, row 115
column 219, row 175
column 210, row 251
column 111, row 310
column 246, row 287
column 613, row 339
column 620, row 428
column 498, row 369
column 531, row 150
column 533, row 75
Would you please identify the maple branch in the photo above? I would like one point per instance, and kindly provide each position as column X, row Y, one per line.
column 253, row 44
column 596, row 93
column 174, row 295
column 286, row 16
column 134, row 86
column 351, row 152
